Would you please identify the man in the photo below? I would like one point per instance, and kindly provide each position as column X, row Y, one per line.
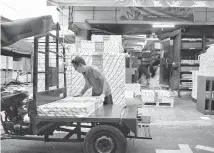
column 93, row 78
column 144, row 75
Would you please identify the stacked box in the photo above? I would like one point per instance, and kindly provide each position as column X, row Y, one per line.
column 41, row 62
column 112, row 43
column 14, row 75
column 206, row 60
column 70, row 107
column 6, row 62
column 135, row 87
column 85, row 44
column 3, row 62
column 111, row 47
column 194, row 84
column 10, row 62
column 165, row 96
column 3, row 77
column 114, row 71
column 29, row 78
column 41, row 82
column 99, row 47
column 61, row 80
column 97, row 60
column 78, row 80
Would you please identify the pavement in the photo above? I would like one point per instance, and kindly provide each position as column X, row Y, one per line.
column 181, row 129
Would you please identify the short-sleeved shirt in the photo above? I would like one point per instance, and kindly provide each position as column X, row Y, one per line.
column 95, row 78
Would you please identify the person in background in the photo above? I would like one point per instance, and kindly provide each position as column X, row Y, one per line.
column 144, row 76
column 93, row 78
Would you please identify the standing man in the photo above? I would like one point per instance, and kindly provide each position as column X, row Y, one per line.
column 144, row 75
column 93, row 78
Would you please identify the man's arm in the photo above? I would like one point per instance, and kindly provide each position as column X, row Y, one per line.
column 86, row 87
column 100, row 76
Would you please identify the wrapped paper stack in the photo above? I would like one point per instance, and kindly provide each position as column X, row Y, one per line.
column 206, row 60
column 71, row 107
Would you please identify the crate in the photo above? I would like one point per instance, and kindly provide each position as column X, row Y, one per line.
column 205, row 95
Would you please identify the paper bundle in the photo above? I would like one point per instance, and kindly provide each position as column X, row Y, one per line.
column 114, row 71
column 85, row 44
column 70, row 107
column 148, row 96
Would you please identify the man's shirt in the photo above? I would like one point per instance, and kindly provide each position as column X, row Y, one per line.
column 94, row 78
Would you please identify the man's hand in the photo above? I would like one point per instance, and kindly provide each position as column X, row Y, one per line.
column 102, row 97
column 78, row 95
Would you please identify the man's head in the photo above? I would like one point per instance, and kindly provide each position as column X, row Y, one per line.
column 79, row 64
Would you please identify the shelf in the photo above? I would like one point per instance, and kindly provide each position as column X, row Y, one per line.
column 188, row 72
column 6, row 69
column 185, row 88
column 185, row 64
column 191, row 49
column 186, row 80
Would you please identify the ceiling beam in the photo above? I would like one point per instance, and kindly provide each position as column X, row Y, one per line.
column 147, row 22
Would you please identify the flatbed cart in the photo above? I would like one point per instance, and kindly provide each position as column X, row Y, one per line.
column 109, row 126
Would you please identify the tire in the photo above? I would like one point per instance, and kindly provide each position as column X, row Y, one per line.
column 105, row 139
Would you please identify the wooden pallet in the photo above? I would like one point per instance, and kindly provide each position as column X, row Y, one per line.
column 157, row 104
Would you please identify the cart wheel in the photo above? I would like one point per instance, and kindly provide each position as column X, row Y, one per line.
column 105, row 139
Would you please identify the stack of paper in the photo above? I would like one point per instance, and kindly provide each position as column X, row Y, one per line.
column 70, row 107
column 114, row 71
column 148, row 96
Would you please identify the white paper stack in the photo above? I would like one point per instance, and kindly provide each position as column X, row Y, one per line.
column 97, row 38
column 10, row 62
column 97, row 60
column 165, row 96
column 61, row 80
column 41, row 62
column 41, row 82
column 112, row 43
column 85, row 44
column 194, row 84
column 3, row 62
column 70, row 107
column 114, row 71
column 206, row 60
column 148, row 96
column 135, row 87
column 112, row 47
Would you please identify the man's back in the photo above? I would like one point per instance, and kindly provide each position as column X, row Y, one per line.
column 95, row 78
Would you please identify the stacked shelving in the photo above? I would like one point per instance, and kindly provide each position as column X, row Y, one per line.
column 190, row 50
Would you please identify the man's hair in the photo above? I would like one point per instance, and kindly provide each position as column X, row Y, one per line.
column 78, row 60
